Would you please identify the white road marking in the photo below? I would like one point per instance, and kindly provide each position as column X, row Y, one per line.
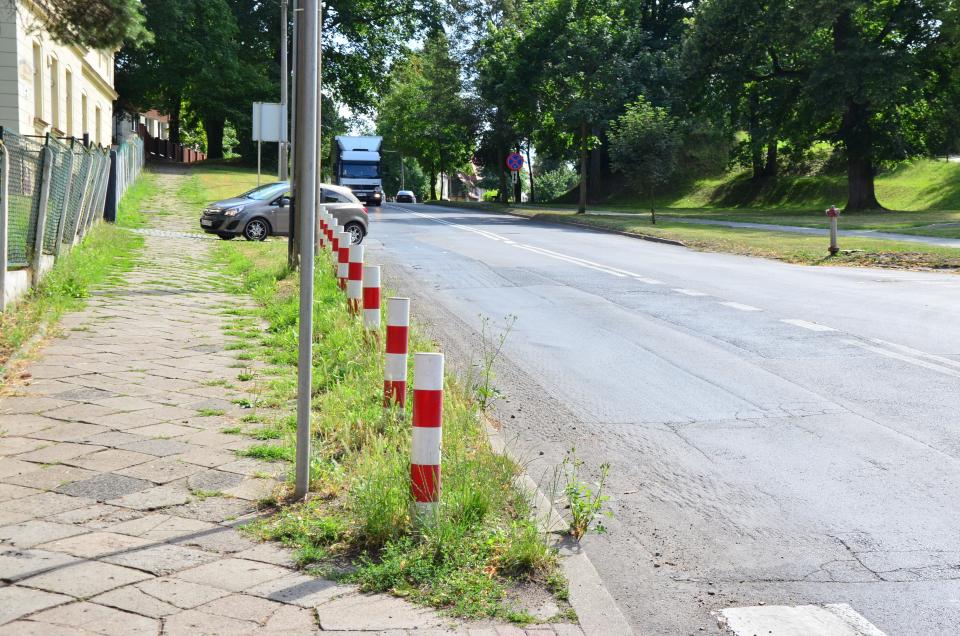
column 802, row 620
column 812, row 326
column 649, row 281
column 741, row 306
column 689, row 292
column 570, row 259
column 916, row 361
column 920, row 354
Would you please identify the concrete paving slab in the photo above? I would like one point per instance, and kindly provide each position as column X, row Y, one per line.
column 16, row 601
column 179, row 593
column 98, row 619
column 235, row 575
column 105, row 486
column 84, row 579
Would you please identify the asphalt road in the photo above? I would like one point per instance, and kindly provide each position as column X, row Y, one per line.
column 777, row 434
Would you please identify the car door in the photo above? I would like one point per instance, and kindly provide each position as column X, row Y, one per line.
column 280, row 215
column 335, row 204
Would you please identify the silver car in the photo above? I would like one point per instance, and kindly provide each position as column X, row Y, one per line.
column 265, row 211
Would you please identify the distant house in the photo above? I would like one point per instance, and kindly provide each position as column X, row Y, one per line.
column 46, row 87
column 151, row 124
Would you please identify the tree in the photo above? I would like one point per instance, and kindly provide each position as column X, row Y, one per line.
column 644, row 146
column 860, row 74
column 95, row 24
column 424, row 114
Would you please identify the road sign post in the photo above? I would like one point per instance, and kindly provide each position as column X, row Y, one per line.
column 515, row 164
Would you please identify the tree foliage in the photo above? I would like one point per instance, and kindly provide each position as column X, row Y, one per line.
column 424, row 114
column 95, row 24
column 644, row 146
column 864, row 75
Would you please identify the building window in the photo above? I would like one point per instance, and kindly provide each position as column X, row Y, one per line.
column 37, row 82
column 68, row 84
column 83, row 114
column 55, row 93
column 97, row 124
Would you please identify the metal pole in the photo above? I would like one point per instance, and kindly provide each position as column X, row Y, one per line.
column 306, row 117
column 402, row 187
column 284, row 79
column 319, row 97
column 295, row 99
column 258, row 162
column 4, row 226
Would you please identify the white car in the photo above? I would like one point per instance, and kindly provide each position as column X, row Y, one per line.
column 406, row 196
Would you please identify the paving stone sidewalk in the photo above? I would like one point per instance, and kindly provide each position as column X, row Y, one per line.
column 120, row 503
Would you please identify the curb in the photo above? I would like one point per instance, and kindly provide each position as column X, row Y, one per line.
column 596, row 610
column 24, row 350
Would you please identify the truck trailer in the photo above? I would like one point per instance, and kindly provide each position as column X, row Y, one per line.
column 356, row 165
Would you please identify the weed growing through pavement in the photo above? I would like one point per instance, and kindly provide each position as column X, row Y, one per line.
column 210, row 412
column 492, row 345
column 584, row 503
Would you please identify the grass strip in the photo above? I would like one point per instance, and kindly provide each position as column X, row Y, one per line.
column 784, row 246
column 483, row 545
column 101, row 257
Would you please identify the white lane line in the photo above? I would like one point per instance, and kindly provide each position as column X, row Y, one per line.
column 919, row 354
column 915, row 361
column 835, row 619
column 812, row 326
column 689, row 292
column 569, row 259
column 649, row 281
column 741, row 306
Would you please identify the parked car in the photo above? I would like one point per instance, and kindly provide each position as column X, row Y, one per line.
column 265, row 211
column 406, row 196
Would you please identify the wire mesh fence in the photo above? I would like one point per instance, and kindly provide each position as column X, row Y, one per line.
column 52, row 191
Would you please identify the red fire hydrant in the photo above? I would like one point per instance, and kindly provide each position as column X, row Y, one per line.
column 833, row 213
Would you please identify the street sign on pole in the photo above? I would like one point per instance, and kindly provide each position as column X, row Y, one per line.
column 269, row 124
column 515, row 161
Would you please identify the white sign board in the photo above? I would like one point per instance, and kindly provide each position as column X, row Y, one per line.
column 269, row 122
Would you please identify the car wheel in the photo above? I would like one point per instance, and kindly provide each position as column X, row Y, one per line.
column 356, row 233
column 224, row 236
column 256, row 230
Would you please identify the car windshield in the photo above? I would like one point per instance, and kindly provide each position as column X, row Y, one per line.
column 266, row 192
column 359, row 171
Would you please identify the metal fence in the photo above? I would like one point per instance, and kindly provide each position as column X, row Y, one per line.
column 52, row 191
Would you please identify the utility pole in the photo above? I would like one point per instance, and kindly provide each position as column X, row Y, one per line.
column 306, row 197
column 284, row 81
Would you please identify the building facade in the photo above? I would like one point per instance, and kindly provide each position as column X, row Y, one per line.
column 47, row 87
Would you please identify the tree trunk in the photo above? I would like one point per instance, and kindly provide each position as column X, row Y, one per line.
column 653, row 211
column 855, row 130
column 175, row 108
column 502, row 194
column 214, row 128
column 857, row 139
column 770, row 167
column 530, row 173
column 595, row 173
column 756, row 146
column 433, row 185
column 582, row 206
column 517, row 190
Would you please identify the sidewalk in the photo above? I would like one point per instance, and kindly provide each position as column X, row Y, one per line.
column 121, row 497
column 795, row 229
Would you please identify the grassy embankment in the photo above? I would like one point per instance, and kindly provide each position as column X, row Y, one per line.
column 925, row 193
column 101, row 258
column 357, row 523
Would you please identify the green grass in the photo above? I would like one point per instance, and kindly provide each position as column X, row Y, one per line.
column 792, row 248
column 130, row 210
column 483, row 540
column 210, row 412
column 921, row 196
column 98, row 261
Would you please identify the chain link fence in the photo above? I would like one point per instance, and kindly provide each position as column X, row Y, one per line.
column 52, row 191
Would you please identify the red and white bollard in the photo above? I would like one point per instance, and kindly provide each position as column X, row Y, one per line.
column 427, row 432
column 395, row 361
column 343, row 258
column 334, row 239
column 322, row 227
column 371, row 298
column 833, row 213
column 355, row 278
